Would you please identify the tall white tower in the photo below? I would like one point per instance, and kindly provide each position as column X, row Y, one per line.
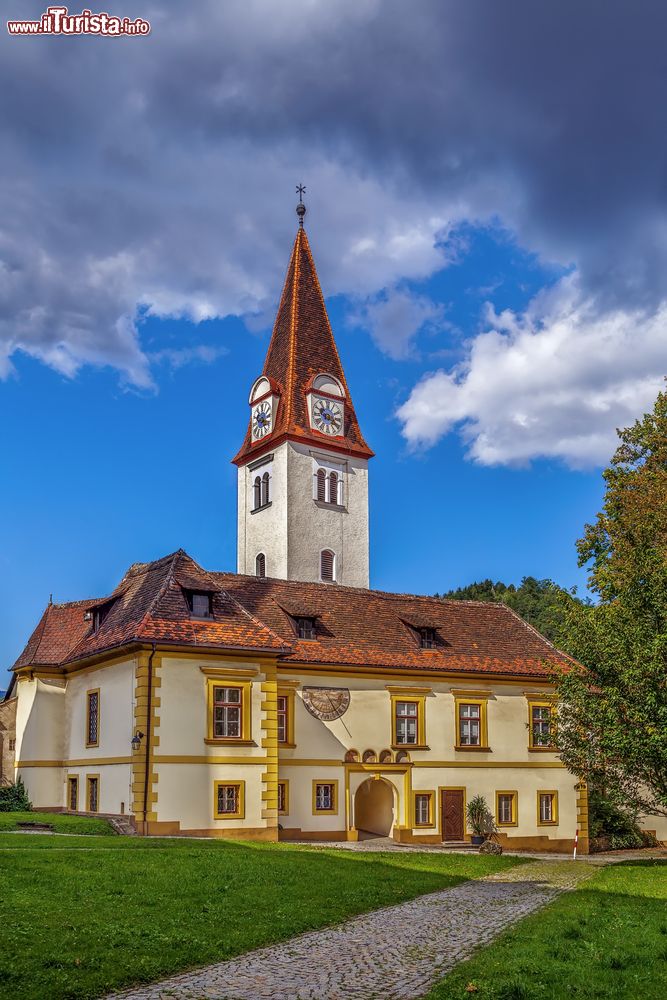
column 303, row 466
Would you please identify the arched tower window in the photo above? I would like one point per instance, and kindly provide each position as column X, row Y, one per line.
column 333, row 487
column 257, row 493
column 260, row 565
column 265, row 488
column 321, row 485
column 327, row 565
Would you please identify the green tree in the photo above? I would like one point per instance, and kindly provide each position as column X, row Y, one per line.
column 613, row 701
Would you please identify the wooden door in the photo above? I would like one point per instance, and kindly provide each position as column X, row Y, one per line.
column 452, row 814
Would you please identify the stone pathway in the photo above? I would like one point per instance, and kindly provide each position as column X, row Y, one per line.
column 396, row 953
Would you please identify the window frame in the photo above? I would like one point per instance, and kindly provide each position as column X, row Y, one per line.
column 429, row 794
column 553, row 792
column 541, row 703
column 260, row 555
column 89, row 779
column 73, row 781
column 515, row 807
column 284, row 691
column 334, row 566
column 481, row 701
column 285, row 785
column 334, row 798
column 229, row 681
column 89, row 743
column 239, row 813
column 11, row 744
column 419, row 698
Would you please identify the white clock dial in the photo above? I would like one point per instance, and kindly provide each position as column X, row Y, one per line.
column 261, row 419
column 328, row 416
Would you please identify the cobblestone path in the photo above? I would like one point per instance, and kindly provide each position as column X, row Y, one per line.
column 396, row 953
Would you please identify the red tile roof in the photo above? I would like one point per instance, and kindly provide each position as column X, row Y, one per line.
column 302, row 347
column 355, row 628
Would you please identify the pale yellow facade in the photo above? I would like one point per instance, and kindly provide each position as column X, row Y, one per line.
column 370, row 782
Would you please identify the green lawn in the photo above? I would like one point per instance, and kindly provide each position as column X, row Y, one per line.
column 606, row 940
column 60, row 823
column 80, row 916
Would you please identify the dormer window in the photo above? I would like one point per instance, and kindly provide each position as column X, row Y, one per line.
column 100, row 613
column 200, row 603
column 305, row 628
column 427, row 638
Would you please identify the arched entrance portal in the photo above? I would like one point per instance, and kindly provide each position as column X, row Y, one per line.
column 374, row 807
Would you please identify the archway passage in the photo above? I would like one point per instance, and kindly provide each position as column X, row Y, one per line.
column 374, row 808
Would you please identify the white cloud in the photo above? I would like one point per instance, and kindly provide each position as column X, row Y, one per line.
column 553, row 382
column 394, row 318
column 178, row 357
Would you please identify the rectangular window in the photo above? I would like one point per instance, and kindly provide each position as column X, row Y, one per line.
column 506, row 808
column 229, row 799
column 324, row 797
column 93, row 718
column 427, row 638
column 547, row 808
column 305, row 628
column 73, row 793
column 227, row 712
column 407, row 717
column 92, row 793
column 423, row 808
column 283, row 798
column 200, row 604
column 470, row 725
column 12, row 745
column 541, row 726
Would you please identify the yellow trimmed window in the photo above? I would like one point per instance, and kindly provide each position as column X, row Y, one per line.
column 92, row 793
column 229, row 710
column 325, row 798
column 93, row 718
column 506, row 808
column 547, row 808
column 471, row 724
column 73, row 792
column 541, row 725
column 408, row 719
column 283, row 797
column 229, row 799
column 285, row 716
column 423, row 808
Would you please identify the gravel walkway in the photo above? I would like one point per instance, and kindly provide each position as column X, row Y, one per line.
column 396, row 953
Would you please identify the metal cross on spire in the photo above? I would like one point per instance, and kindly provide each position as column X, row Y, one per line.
column 300, row 208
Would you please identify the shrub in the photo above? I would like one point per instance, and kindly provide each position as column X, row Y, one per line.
column 480, row 817
column 14, row 798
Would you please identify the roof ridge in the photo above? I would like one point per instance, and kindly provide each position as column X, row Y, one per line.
column 294, row 319
column 162, row 589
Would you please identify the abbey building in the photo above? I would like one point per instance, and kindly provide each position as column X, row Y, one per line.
column 287, row 700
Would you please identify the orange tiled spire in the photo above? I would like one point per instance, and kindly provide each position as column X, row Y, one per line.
column 302, row 347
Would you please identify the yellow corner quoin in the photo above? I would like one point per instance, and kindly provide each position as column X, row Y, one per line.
column 144, row 776
column 229, row 791
column 269, row 727
column 333, row 795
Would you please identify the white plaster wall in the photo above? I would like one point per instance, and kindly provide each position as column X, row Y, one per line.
column 266, row 530
column 185, row 794
column 115, row 787
column 312, row 528
column 301, row 798
column 116, row 687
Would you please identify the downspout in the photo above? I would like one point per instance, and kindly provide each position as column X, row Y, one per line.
column 148, row 733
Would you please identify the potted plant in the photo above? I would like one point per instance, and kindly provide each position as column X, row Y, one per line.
column 480, row 820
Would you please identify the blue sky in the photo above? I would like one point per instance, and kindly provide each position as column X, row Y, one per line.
column 487, row 210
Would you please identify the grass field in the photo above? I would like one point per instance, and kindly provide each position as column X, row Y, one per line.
column 80, row 916
column 60, row 823
column 606, row 940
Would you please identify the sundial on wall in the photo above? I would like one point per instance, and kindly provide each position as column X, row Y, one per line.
column 326, row 704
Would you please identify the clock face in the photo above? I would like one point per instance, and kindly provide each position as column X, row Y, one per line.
column 328, row 416
column 261, row 420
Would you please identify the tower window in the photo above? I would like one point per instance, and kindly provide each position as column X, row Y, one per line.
column 333, row 487
column 327, row 565
column 199, row 603
column 265, row 489
column 261, row 491
column 257, row 493
column 305, row 628
column 321, row 485
column 260, row 565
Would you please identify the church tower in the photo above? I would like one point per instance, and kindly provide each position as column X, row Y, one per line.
column 303, row 466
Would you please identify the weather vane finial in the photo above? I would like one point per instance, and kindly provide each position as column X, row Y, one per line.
column 300, row 208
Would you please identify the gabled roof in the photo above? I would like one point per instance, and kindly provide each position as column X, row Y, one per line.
column 357, row 629
column 302, row 346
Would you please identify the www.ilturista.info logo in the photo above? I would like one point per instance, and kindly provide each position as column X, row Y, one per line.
column 58, row 21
